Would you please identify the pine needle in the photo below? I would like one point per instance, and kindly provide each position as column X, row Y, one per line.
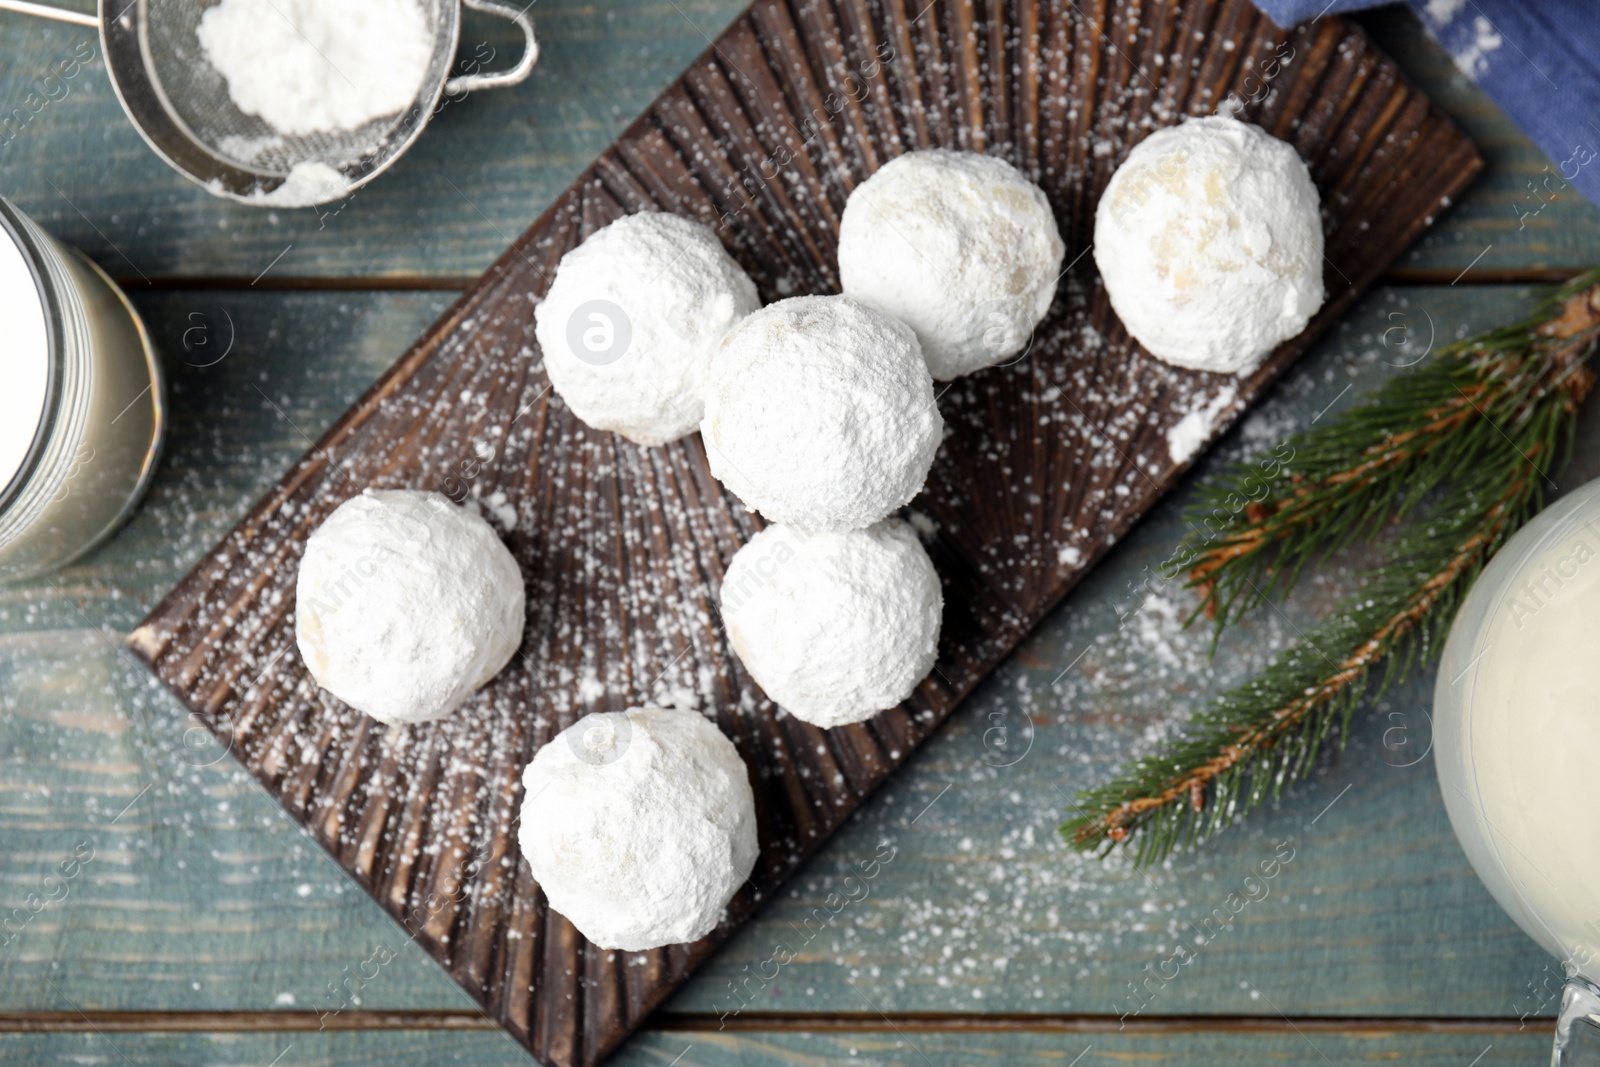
column 1463, row 448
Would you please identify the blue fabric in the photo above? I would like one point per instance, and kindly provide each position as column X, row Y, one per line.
column 1538, row 59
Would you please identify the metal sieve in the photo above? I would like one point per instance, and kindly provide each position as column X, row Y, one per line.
column 180, row 104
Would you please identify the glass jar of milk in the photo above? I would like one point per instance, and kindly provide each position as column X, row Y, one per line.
column 1517, row 740
column 81, row 402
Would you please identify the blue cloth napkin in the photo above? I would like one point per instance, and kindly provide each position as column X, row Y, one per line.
column 1538, row 59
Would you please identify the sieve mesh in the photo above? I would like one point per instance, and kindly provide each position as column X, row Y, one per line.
column 194, row 97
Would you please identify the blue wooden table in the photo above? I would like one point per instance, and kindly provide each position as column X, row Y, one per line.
column 206, row 929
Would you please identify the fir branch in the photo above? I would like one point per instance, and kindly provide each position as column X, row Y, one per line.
column 1478, row 433
column 1379, row 461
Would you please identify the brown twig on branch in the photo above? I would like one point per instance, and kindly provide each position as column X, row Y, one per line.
column 1464, row 447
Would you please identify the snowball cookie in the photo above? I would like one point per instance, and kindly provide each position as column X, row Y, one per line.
column 836, row 627
column 820, row 413
column 631, row 321
column 405, row 604
column 960, row 247
column 1210, row 243
column 639, row 826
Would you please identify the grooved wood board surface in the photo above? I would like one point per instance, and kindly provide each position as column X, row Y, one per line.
column 1046, row 462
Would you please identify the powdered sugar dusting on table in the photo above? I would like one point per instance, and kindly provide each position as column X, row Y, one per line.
column 1046, row 464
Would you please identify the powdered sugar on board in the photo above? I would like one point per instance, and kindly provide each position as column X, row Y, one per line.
column 1047, row 462
column 623, row 549
column 1198, row 426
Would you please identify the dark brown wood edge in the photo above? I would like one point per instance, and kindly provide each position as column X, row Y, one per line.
column 148, row 642
column 33, row 1022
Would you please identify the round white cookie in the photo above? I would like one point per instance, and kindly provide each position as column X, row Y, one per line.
column 960, row 247
column 820, row 413
column 836, row 627
column 631, row 320
column 639, row 826
column 1209, row 239
column 406, row 604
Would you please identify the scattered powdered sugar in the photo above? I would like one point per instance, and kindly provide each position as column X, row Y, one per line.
column 1472, row 59
column 836, row 627
column 1209, row 239
column 405, row 604
column 978, row 896
column 958, row 246
column 307, row 184
column 309, row 66
column 1194, row 429
column 499, row 510
column 1000, row 906
column 821, row 414
column 632, row 319
column 639, row 826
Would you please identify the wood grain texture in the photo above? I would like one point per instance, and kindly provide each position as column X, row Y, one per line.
column 205, row 882
column 305, row 1022
column 713, row 1049
column 254, row 378
column 765, row 136
column 1522, row 221
column 207, row 892
column 489, row 164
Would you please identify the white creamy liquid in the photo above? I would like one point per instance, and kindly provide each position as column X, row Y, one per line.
column 24, row 358
column 98, row 391
column 1518, row 729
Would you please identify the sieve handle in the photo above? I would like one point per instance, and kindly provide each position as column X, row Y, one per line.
column 49, row 11
column 465, row 83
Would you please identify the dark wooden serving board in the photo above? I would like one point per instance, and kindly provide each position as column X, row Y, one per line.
column 1045, row 465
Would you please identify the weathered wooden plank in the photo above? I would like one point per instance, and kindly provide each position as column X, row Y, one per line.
column 623, row 550
column 179, row 878
column 488, row 165
column 884, row 1048
column 253, row 377
column 1376, row 914
column 877, row 1048
column 1521, row 217
column 190, row 889
column 992, row 913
